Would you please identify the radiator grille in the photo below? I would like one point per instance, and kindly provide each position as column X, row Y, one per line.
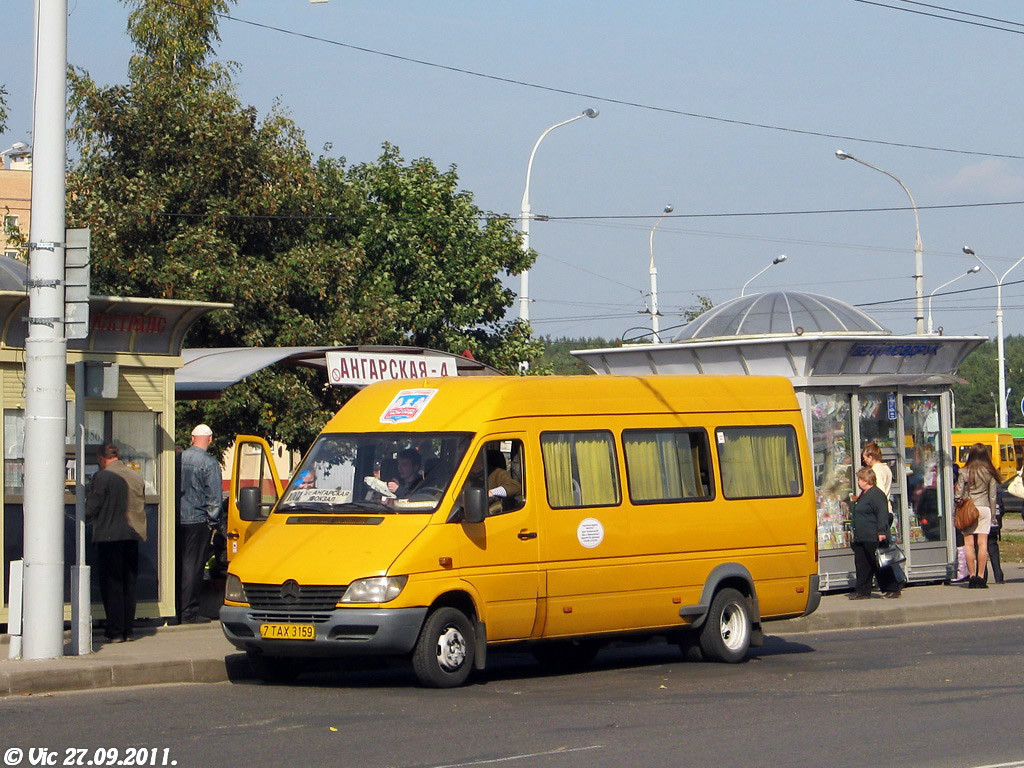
column 292, row 596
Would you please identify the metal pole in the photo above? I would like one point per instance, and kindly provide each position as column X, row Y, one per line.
column 524, row 215
column 653, row 272
column 918, row 246
column 81, row 592
column 1000, row 352
column 46, row 347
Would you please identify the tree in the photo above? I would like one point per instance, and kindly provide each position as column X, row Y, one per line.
column 977, row 399
column 191, row 195
column 3, row 109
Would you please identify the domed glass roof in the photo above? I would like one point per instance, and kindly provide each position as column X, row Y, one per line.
column 780, row 312
column 13, row 274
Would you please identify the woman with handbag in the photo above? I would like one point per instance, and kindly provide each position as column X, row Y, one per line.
column 870, row 520
column 979, row 482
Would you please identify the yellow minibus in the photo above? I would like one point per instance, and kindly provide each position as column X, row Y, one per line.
column 999, row 444
column 438, row 519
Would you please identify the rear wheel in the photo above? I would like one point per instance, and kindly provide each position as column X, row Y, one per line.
column 274, row 669
column 726, row 633
column 443, row 656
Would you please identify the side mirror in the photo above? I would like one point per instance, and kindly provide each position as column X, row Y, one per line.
column 250, row 504
column 474, row 505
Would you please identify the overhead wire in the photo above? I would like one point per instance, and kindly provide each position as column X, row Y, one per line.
column 611, row 100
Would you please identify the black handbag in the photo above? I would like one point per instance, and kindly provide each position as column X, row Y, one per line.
column 889, row 556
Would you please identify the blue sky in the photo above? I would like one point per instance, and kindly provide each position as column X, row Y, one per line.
column 831, row 66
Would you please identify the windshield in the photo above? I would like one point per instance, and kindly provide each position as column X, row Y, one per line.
column 375, row 472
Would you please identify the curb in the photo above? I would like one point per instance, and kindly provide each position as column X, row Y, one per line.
column 870, row 617
column 69, row 677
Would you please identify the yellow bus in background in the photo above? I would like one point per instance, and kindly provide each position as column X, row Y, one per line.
column 1000, row 444
column 439, row 519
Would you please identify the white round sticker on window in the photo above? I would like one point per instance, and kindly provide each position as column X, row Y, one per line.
column 590, row 533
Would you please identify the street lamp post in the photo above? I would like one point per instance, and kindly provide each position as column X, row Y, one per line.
column 524, row 215
column 1000, row 352
column 918, row 247
column 654, row 279
column 970, row 271
column 777, row 260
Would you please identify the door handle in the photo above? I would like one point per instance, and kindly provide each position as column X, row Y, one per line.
column 231, row 535
column 526, row 535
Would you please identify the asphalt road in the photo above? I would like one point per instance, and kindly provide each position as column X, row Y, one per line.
column 926, row 695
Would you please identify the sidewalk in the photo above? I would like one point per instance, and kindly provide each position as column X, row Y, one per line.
column 201, row 654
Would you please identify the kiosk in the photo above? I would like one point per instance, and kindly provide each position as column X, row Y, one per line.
column 143, row 338
column 856, row 381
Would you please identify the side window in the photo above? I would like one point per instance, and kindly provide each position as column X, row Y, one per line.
column 580, row 469
column 254, row 471
column 499, row 469
column 667, row 465
column 759, row 462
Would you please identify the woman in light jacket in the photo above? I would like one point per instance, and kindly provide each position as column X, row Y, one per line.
column 979, row 480
column 871, row 456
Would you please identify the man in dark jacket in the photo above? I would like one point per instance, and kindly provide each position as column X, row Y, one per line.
column 115, row 504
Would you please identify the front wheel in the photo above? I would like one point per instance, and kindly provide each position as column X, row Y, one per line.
column 726, row 633
column 443, row 656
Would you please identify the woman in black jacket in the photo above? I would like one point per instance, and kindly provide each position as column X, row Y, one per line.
column 870, row 529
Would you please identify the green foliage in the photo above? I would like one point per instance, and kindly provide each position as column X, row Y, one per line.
column 191, row 195
column 3, row 109
column 976, row 399
column 557, row 360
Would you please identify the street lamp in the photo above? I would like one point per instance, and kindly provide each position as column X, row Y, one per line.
column 776, row 260
column 918, row 247
column 654, row 278
column 970, row 271
column 524, row 216
column 1001, row 356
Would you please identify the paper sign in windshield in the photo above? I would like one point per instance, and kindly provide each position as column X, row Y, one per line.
column 320, row 495
column 407, row 406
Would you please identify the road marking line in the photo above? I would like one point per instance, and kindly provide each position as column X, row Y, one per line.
column 559, row 751
column 1015, row 764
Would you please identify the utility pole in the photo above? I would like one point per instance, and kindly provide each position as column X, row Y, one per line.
column 46, row 346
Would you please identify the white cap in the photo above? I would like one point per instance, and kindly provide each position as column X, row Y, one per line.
column 202, row 431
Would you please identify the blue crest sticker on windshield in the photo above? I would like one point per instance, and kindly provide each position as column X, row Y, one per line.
column 407, row 406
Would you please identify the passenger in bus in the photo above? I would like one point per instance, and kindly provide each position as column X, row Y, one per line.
column 870, row 520
column 489, row 472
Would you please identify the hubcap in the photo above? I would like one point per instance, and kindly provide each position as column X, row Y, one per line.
column 734, row 628
column 451, row 649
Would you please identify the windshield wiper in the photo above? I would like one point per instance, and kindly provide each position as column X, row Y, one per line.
column 348, row 506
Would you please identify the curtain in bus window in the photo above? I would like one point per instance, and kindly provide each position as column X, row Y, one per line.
column 758, row 463
column 596, row 464
column 689, row 452
column 645, row 466
column 557, row 452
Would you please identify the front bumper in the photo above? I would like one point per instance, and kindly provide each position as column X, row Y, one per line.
column 339, row 633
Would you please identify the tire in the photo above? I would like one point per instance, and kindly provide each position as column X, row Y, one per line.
column 274, row 669
column 444, row 654
column 725, row 636
column 565, row 655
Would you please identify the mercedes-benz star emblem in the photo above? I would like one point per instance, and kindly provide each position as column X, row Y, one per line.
column 290, row 591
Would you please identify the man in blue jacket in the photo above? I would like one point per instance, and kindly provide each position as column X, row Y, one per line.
column 200, row 502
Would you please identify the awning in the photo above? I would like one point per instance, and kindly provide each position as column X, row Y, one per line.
column 208, row 372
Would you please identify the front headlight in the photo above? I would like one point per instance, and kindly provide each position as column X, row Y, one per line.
column 378, row 589
column 233, row 590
